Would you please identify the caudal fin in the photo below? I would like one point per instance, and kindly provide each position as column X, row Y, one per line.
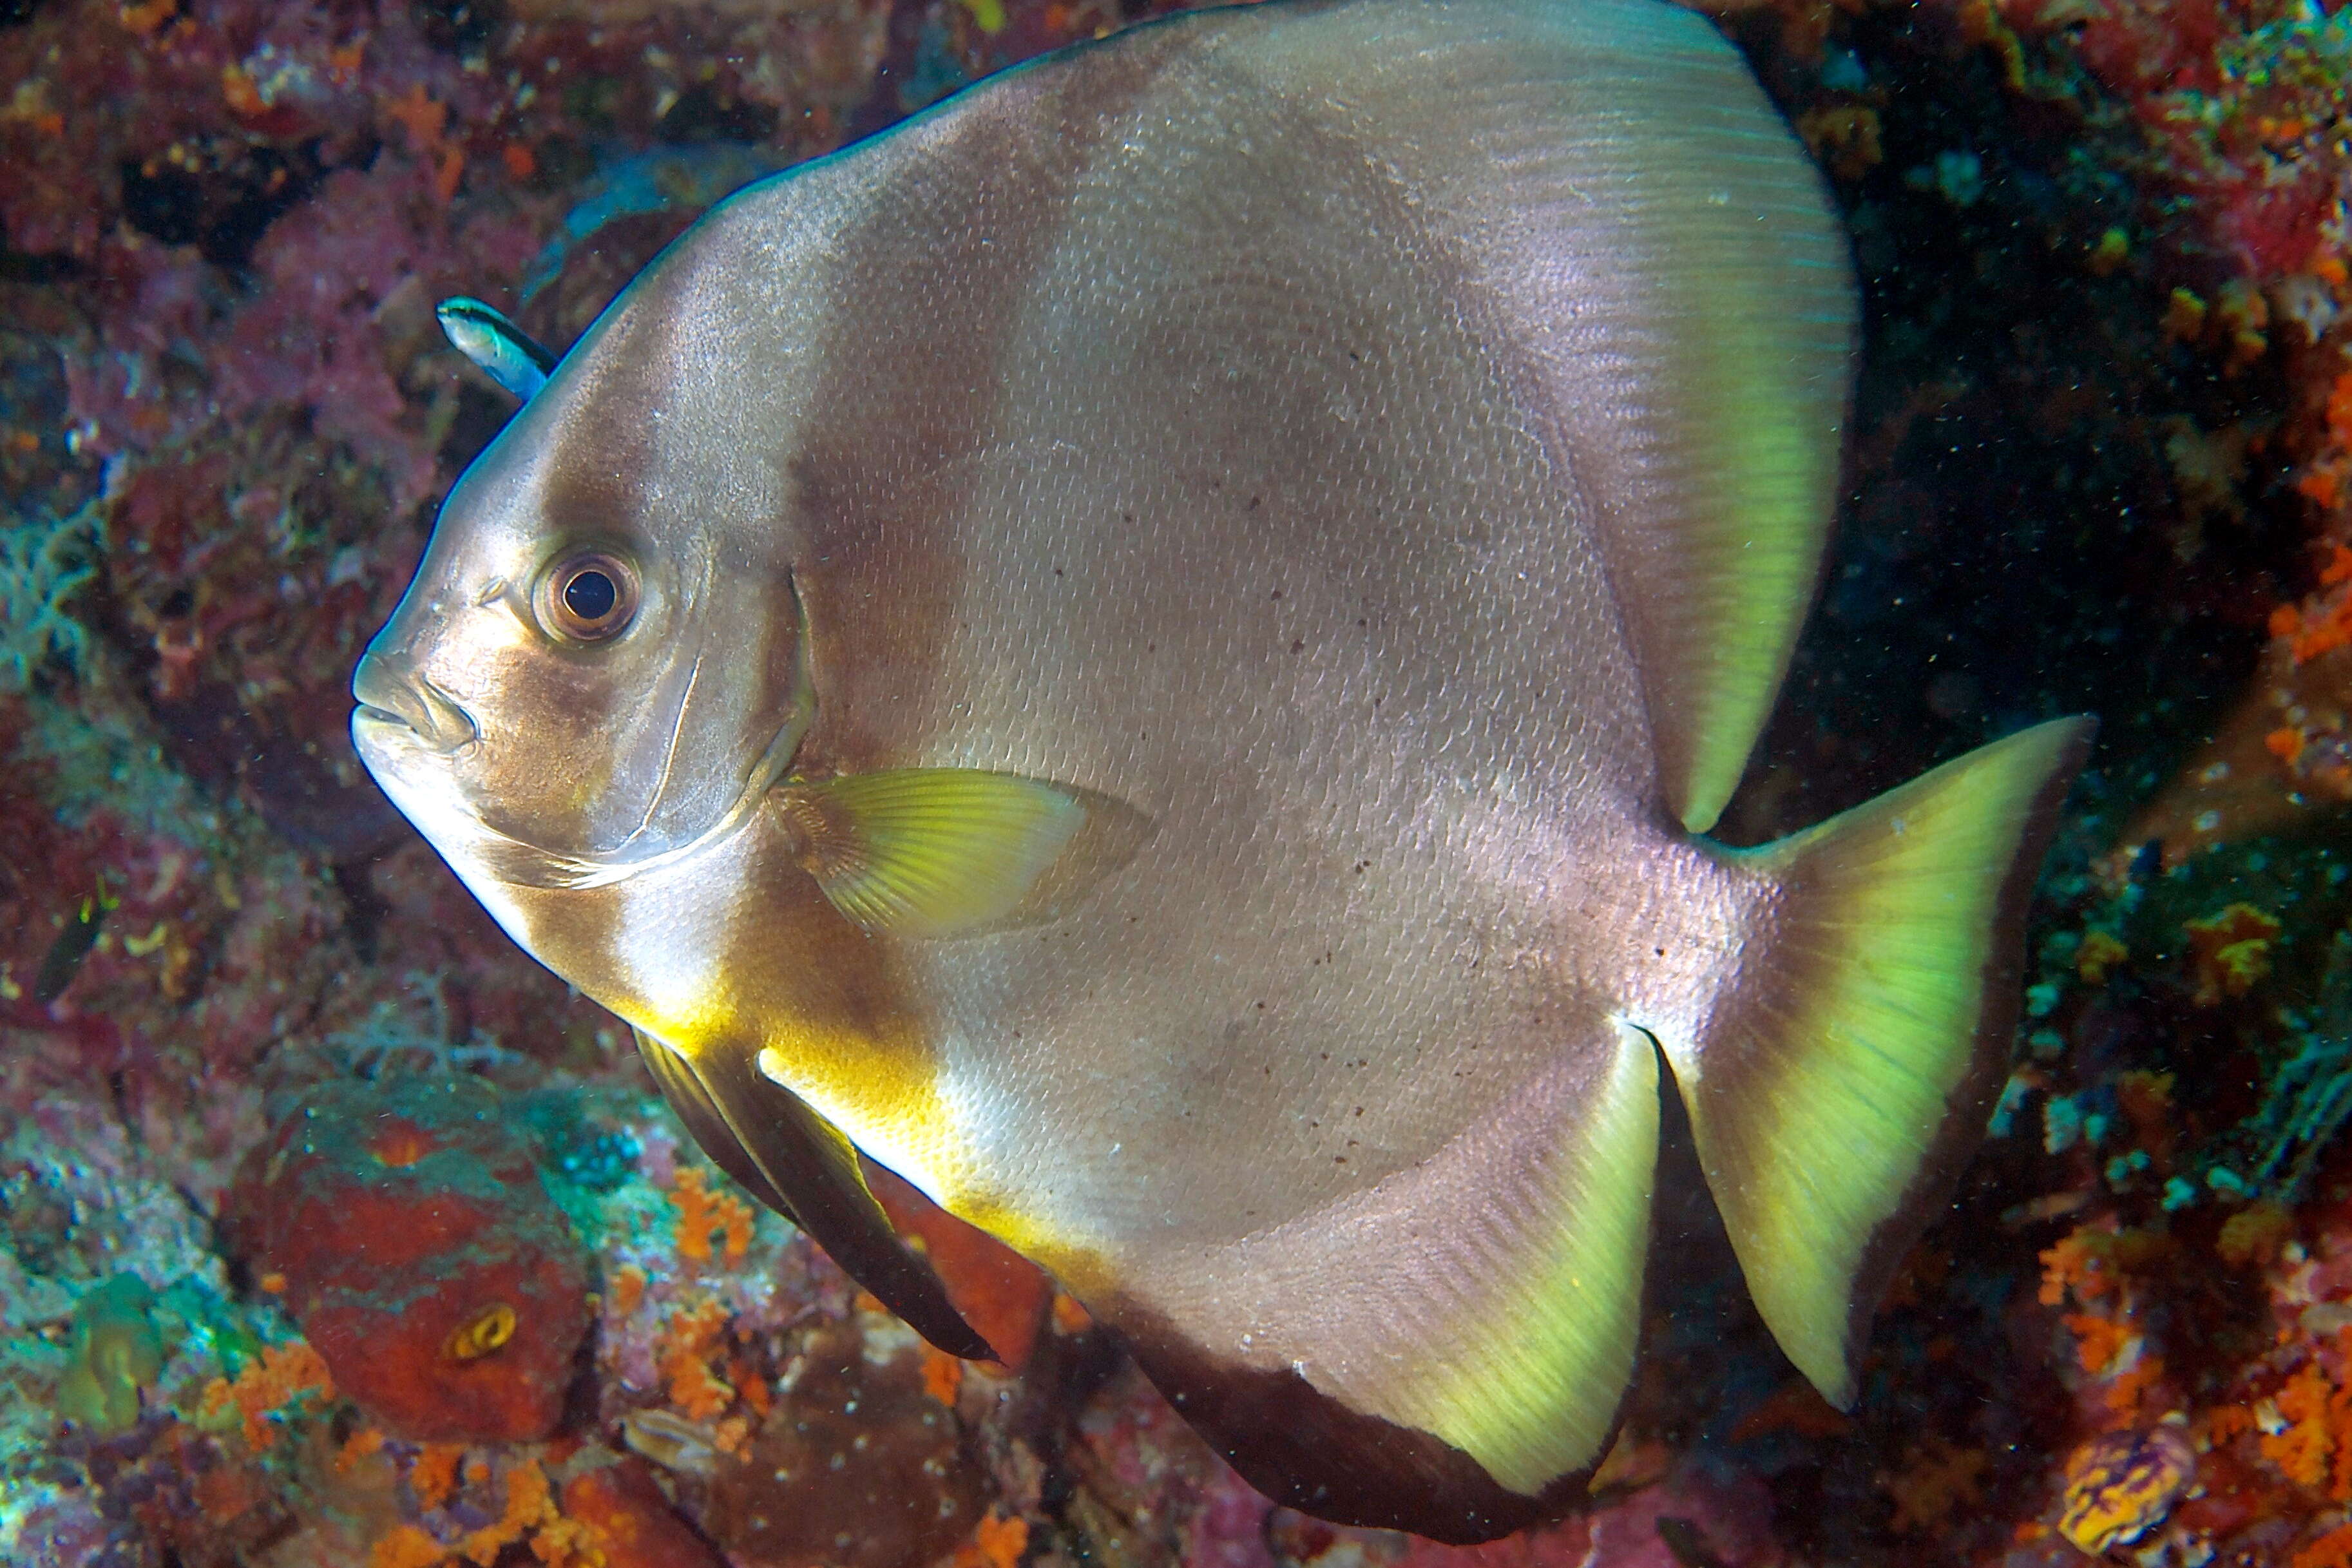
column 1846, row 1078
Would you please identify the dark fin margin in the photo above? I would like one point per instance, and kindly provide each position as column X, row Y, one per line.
column 1836, row 1098
column 2004, row 1001
column 1274, row 1427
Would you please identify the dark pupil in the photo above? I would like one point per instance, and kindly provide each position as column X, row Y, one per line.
column 589, row 596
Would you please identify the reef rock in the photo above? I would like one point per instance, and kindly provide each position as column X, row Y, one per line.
column 405, row 1226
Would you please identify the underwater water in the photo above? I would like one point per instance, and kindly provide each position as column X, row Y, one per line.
column 339, row 1231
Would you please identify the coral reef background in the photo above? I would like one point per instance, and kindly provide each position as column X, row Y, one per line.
column 2100, row 460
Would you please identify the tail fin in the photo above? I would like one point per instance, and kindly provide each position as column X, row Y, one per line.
column 1845, row 1079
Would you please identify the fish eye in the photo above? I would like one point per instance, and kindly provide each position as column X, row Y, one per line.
column 590, row 596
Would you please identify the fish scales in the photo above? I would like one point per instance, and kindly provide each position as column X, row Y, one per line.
column 1150, row 649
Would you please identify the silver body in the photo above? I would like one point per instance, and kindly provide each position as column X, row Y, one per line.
column 1383, row 448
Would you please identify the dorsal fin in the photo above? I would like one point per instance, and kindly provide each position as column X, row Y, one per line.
column 1676, row 289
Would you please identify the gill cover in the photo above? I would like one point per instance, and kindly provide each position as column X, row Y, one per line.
column 622, row 747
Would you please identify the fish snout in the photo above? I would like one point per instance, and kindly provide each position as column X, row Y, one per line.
column 388, row 693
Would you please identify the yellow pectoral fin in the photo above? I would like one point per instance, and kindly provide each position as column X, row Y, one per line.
column 938, row 852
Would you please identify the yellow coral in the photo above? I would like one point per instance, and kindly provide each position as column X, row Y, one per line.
column 2098, row 1342
column 147, row 16
column 2244, row 315
column 751, row 1385
column 2083, row 1263
column 2229, row 951
column 2328, row 624
column 530, row 1505
column 942, row 1375
column 562, row 1542
column 2255, row 1233
column 357, row 1446
column 278, row 1376
column 628, row 1288
column 434, row 1475
column 530, row 1518
column 406, row 1547
column 1845, row 137
column 694, row 1336
column 1981, row 25
column 2134, row 1376
column 2332, row 1550
column 2112, row 251
column 702, row 1214
column 2099, row 953
column 998, row 1542
column 2302, row 1443
column 2317, row 1417
column 2184, row 316
column 2226, row 1422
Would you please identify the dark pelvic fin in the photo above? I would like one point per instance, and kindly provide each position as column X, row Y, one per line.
column 1834, row 1100
column 700, row 1113
column 798, row 1164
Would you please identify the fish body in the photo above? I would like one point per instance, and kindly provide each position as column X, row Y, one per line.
column 1152, row 649
column 499, row 349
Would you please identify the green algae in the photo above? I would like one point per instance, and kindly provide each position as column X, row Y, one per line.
column 44, row 562
column 116, row 1352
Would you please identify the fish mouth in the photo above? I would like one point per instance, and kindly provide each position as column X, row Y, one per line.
column 388, row 701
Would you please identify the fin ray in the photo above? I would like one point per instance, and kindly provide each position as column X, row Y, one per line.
column 1511, row 1264
column 930, row 852
column 1674, row 284
column 1835, row 1098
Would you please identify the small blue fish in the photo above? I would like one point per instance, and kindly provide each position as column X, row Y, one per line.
column 504, row 351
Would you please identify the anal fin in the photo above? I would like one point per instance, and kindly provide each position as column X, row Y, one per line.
column 801, row 1165
column 1445, row 1350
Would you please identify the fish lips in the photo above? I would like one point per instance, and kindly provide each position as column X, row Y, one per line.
column 390, row 702
column 416, row 774
column 407, row 732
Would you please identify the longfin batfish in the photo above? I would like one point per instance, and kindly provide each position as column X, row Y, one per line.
column 500, row 349
column 1153, row 649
